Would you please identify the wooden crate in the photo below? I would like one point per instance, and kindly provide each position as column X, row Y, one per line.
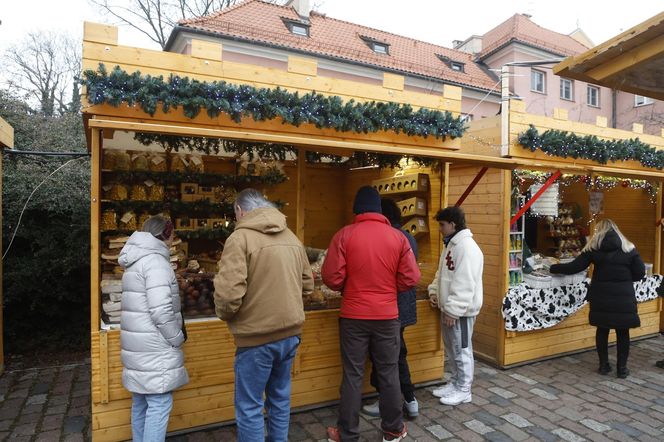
column 413, row 206
column 418, row 182
column 417, row 226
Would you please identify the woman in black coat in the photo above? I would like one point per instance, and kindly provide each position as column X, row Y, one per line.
column 617, row 265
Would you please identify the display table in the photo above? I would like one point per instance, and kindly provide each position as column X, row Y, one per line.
column 526, row 308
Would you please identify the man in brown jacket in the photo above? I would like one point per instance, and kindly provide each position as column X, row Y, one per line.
column 263, row 273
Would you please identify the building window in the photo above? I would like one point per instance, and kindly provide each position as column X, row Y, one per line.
column 640, row 100
column 592, row 96
column 456, row 66
column 566, row 89
column 537, row 81
column 297, row 28
column 380, row 48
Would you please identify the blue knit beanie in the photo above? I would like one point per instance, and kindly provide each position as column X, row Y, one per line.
column 367, row 199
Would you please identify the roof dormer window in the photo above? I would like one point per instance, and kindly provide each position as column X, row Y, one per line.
column 379, row 47
column 297, row 27
column 454, row 65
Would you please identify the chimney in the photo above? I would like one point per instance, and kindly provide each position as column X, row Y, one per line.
column 302, row 7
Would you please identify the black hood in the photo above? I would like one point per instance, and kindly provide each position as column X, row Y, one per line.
column 610, row 242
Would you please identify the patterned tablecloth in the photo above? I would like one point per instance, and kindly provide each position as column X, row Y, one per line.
column 526, row 308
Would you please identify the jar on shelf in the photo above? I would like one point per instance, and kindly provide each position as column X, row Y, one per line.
column 139, row 161
column 109, row 220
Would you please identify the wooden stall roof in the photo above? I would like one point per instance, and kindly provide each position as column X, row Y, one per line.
column 632, row 61
column 6, row 134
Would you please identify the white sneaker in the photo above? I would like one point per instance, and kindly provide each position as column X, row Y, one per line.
column 445, row 390
column 456, row 398
column 412, row 408
column 372, row 409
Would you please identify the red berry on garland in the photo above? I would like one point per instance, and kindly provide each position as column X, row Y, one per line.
column 625, row 183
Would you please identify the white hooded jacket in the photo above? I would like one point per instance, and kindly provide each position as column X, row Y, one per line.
column 151, row 323
column 458, row 281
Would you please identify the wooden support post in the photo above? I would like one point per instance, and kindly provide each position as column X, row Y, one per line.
column 657, row 262
column 539, row 193
column 301, row 192
column 103, row 366
column 94, row 229
column 503, row 285
column 471, row 186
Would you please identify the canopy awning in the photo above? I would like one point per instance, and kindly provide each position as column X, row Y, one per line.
column 632, row 61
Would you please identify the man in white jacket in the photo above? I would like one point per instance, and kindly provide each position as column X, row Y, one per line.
column 457, row 291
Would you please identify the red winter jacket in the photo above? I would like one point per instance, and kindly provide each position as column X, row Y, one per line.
column 370, row 262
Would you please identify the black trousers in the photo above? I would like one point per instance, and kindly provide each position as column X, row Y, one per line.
column 407, row 388
column 357, row 338
column 602, row 345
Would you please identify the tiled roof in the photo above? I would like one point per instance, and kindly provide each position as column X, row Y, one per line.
column 258, row 21
column 520, row 28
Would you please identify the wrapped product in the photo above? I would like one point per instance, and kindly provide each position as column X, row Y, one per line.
column 109, row 220
column 157, row 163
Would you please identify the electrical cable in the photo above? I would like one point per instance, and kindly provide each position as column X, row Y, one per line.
column 18, row 224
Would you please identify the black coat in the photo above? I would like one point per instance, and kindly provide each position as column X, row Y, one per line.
column 611, row 293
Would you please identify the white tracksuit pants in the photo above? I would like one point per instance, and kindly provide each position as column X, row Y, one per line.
column 458, row 341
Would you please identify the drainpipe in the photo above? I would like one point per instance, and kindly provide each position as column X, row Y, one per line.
column 504, row 110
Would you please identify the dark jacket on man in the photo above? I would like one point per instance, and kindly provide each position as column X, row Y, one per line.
column 611, row 293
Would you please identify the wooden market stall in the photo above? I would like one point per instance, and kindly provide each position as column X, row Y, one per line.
column 632, row 61
column 6, row 141
column 631, row 196
column 134, row 176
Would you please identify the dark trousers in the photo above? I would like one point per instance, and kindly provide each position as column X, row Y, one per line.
column 407, row 388
column 602, row 344
column 357, row 338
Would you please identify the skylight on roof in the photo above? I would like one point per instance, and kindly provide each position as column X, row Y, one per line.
column 296, row 27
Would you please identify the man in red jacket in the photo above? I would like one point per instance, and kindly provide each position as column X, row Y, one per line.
column 369, row 261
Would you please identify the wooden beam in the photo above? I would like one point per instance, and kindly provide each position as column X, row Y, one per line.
column 103, row 366
column 535, row 197
column 658, row 231
column 471, row 186
column 99, row 33
column 629, row 60
column 503, row 284
column 95, row 204
column 301, row 193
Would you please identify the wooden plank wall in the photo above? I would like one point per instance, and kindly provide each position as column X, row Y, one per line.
column 209, row 356
column 484, row 217
column 635, row 215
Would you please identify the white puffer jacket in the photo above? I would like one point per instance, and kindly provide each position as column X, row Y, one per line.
column 151, row 323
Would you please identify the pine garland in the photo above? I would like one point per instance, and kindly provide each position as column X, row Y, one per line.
column 567, row 144
column 239, row 101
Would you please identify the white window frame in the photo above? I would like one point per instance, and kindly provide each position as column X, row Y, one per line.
column 640, row 100
column 563, row 88
column 299, row 29
column 533, row 85
column 588, row 101
column 456, row 66
column 384, row 48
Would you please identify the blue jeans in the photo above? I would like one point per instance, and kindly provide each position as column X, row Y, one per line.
column 149, row 416
column 264, row 369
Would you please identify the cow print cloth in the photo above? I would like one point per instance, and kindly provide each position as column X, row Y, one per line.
column 526, row 308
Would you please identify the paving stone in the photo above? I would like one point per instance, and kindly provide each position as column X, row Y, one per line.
column 516, row 420
column 542, row 434
column 24, row 430
column 595, row 426
column 497, row 436
column 626, row 429
column 74, row 424
column 544, row 394
column 505, row 394
column 49, row 436
column 439, row 432
column 615, row 386
column 478, row 427
column 567, row 435
column 36, row 399
column 524, row 379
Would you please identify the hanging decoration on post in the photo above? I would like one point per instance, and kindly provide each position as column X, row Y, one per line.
column 565, row 144
column 261, row 104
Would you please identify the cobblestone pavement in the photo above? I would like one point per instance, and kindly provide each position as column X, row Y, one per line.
column 563, row 399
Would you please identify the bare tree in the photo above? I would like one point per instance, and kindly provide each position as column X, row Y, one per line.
column 43, row 66
column 156, row 18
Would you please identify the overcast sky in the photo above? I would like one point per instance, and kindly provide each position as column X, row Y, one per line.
column 436, row 21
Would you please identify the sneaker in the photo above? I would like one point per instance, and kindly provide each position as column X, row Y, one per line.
column 333, row 434
column 372, row 409
column 456, row 398
column 445, row 390
column 395, row 437
column 412, row 408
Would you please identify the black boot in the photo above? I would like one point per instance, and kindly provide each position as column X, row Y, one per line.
column 604, row 368
column 623, row 372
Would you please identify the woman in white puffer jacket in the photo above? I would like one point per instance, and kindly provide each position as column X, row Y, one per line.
column 151, row 332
